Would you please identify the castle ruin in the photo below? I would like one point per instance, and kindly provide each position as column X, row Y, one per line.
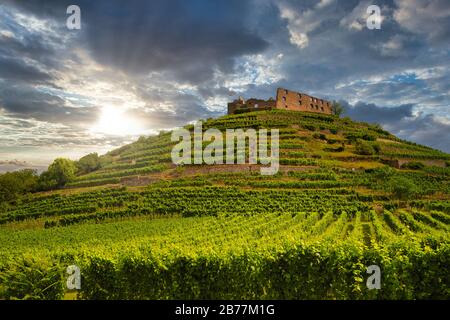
column 286, row 100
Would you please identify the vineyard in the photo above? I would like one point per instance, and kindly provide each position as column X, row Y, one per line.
column 338, row 204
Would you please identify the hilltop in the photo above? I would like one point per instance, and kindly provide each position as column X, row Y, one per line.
column 306, row 139
column 347, row 195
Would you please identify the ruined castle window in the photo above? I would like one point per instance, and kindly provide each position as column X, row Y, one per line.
column 299, row 95
column 284, row 99
column 312, row 107
column 285, row 106
column 286, row 91
column 317, row 107
column 300, row 102
column 321, row 108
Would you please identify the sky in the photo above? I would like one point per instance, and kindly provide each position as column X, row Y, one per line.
column 137, row 67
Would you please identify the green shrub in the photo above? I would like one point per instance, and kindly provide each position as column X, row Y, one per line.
column 413, row 165
column 320, row 136
column 332, row 141
column 364, row 148
column 31, row 279
column 381, row 173
column 90, row 162
column 309, row 127
column 15, row 184
column 403, row 187
column 315, row 271
column 338, row 149
column 376, row 148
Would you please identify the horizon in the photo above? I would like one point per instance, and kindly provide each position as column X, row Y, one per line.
column 69, row 92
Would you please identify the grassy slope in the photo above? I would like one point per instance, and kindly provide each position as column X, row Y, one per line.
column 320, row 196
column 301, row 144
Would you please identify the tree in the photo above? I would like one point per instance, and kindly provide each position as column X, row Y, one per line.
column 46, row 182
column 105, row 160
column 402, row 187
column 59, row 173
column 337, row 108
column 88, row 163
column 364, row 148
column 14, row 184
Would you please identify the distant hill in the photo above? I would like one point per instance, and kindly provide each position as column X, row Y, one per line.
column 13, row 165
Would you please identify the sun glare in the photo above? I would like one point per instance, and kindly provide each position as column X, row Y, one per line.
column 114, row 121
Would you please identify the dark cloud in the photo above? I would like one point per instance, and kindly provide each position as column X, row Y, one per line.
column 171, row 62
column 189, row 39
column 13, row 69
column 28, row 102
column 401, row 121
column 168, row 108
column 32, row 46
column 375, row 114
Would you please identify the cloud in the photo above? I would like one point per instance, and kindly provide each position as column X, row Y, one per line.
column 403, row 122
column 302, row 20
column 189, row 39
column 167, row 63
column 430, row 18
column 28, row 102
column 13, row 69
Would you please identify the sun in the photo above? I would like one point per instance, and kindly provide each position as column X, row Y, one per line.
column 114, row 121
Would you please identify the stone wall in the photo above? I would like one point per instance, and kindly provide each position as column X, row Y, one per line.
column 297, row 101
column 286, row 100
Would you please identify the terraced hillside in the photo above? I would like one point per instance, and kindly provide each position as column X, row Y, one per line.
column 348, row 195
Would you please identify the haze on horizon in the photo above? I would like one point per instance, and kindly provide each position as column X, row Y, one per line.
column 136, row 68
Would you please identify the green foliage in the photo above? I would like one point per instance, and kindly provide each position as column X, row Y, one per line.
column 271, row 255
column 320, row 136
column 337, row 108
column 105, row 160
column 60, row 172
column 309, row 127
column 382, row 173
column 15, row 184
column 437, row 170
column 31, row 279
column 338, row 149
column 364, row 148
column 88, row 163
column 307, row 233
column 93, row 182
column 47, row 181
column 360, row 135
column 413, row 165
column 403, row 187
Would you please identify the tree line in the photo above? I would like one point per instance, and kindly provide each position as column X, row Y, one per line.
column 59, row 173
